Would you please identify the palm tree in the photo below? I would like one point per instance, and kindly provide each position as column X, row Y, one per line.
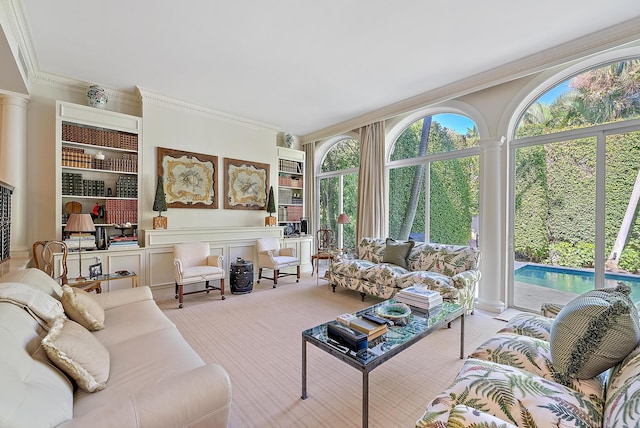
column 418, row 179
column 605, row 95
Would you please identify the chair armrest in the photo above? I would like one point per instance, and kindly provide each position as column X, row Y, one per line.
column 466, row 279
column 215, row 260
column 199, row 397
column 291, row 252
column 177, row 271
column 265, row 258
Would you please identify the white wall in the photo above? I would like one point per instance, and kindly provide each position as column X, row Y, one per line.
column 184, row 127
column 165, row 124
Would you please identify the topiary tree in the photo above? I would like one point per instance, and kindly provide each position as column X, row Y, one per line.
column 271, row 204
column 160, row 201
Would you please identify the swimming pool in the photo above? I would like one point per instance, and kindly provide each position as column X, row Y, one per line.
column 572, row 280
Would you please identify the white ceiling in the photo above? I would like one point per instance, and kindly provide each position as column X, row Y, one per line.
column 297, row 65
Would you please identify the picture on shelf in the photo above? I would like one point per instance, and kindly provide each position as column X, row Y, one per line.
column 95, row 270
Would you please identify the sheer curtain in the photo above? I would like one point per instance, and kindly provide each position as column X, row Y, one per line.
column 310, row 186
column 372, row 195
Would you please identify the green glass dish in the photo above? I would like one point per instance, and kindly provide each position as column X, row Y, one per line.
column 394, row 311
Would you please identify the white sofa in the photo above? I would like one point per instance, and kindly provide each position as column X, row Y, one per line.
column 155, row 378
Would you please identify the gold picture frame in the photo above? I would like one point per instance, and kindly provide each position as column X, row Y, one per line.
column 246, row 185
column 189, row 179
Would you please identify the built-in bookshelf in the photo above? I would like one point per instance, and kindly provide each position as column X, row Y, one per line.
column 5, row 221
column 290, row 189
column 97, row 166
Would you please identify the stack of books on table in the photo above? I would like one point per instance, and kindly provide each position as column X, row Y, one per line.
column 420, row 297
column 372, row 329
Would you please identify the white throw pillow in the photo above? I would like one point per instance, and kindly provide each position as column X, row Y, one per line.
column 75, row 351
column 81, row 307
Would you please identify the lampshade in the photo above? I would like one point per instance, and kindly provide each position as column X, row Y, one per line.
column 80, row 223
column 343, row 219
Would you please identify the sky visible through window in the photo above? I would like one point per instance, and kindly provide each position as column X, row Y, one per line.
column 460, row 123
column 457, row 122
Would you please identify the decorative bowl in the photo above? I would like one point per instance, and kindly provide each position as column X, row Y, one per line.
column 394, row 311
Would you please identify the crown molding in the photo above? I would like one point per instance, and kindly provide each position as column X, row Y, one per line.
column 620, row 34
column 156, row 98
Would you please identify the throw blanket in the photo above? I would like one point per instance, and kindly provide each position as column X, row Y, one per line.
column 44, row 308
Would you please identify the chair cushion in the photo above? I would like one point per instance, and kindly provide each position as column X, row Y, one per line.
column 75, row 351
column 396, row 252
column 81, row 307
column 593, row 332
column 201, row 272
column 285, row 261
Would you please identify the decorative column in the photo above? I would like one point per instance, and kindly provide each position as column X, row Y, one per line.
column 13, row 167
column 492, row 234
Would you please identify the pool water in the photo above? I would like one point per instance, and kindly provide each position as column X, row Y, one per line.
column 572, row 280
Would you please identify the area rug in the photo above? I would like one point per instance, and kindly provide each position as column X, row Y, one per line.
column 256, row 337
column 507, row 314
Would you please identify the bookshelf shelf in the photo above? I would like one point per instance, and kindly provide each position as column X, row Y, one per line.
column 290, row 203
column 97, row 164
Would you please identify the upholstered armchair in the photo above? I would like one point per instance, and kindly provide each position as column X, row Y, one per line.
column 271, row 256
column 193, row 263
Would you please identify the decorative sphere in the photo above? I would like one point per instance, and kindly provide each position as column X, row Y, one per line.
column 97, row 97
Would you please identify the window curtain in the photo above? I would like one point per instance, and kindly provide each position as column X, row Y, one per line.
column 372, row 195
column 310, row 186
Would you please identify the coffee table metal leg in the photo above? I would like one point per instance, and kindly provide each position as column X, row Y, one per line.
column 365, row 399
column 304, row 369
column 462, row 337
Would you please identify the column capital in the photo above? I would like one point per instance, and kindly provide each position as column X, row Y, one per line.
column 13, row 100
column 492, row 144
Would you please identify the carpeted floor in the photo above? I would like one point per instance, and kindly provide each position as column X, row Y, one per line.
column 256, row 337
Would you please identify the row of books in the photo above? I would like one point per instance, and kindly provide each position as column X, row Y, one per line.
column 286, row 165
column 420, row 297
column 290, row 213
column 99, row 137
column 121, row 211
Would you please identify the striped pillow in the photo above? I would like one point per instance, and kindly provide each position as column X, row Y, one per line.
column 594, row 332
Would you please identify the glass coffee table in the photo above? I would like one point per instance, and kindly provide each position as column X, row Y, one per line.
column 397, row 338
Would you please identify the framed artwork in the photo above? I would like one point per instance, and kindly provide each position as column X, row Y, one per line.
column 246, row 185
column 95, row 270
column 189, row 178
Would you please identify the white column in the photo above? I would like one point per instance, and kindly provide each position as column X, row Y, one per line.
column 13, row 167
column 493, row 197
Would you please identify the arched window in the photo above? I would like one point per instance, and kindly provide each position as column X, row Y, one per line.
column 338, row 190
column 433, row 181
column 575, row 187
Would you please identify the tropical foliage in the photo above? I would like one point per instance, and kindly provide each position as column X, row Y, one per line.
column 555, row 183
column 453, row 188
column 343, row 156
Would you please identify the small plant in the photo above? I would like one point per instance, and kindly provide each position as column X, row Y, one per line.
column 271, row 204
column 160, row 201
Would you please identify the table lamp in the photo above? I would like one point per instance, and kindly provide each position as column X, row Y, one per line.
column 80, row 223
column 342, row 219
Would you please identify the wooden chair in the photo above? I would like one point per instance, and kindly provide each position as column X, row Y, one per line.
column 192, row 264
column 43, row 259
column 325, row 244
column 271, row 256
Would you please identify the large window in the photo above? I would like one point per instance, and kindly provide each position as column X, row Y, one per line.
column 433, row 181
column 576, row 164
column 338, row 191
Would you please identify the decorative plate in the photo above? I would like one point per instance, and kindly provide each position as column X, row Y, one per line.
column 394, row 311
